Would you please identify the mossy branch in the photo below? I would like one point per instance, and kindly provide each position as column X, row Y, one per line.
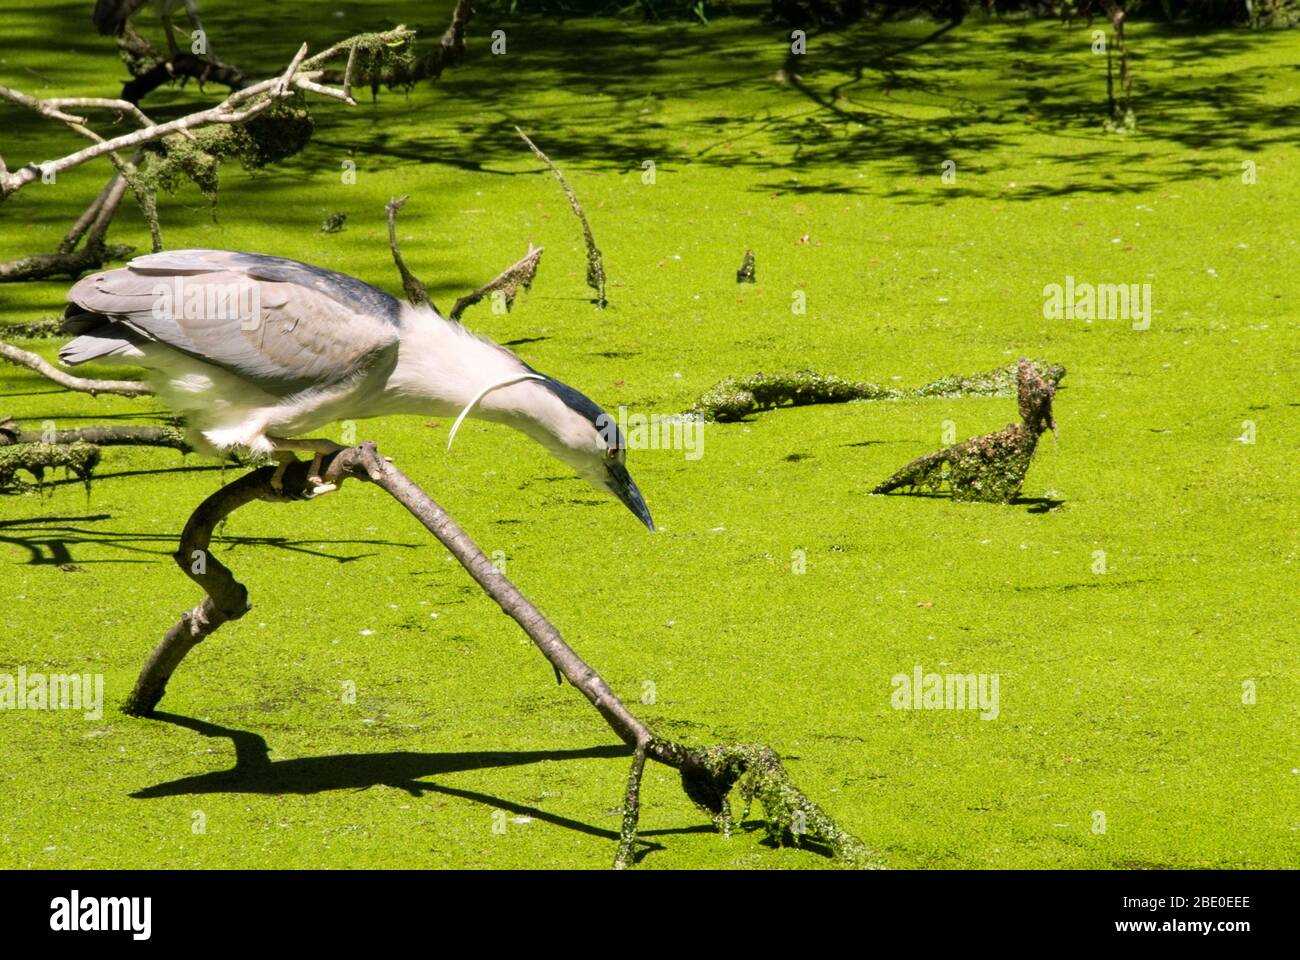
column 42, row 329
column 508, row 282
column 735, row 398
column 990, row 468
column 100, row 436
column 376, row 60
column 595, row 265
column 79, row 458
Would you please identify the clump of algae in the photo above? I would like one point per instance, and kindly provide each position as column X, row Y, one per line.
column 735, row 398
column 991, row 468
column 756, row 771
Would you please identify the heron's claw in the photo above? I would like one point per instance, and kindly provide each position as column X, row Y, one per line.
column 282, row 461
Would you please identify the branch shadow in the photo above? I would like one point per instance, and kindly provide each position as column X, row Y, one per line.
column 255, row 772
column 48, row 541
column 1032, row 504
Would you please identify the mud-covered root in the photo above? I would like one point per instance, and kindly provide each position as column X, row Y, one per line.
column 79, row 458
column 711, row 773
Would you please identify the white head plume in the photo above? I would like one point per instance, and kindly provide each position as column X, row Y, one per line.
column 513, row 378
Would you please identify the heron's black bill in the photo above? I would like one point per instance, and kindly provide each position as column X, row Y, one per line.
column 621, row 485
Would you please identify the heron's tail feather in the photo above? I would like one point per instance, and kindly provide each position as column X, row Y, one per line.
column 99, row 340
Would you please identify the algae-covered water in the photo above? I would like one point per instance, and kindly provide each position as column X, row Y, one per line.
column 1137, row 605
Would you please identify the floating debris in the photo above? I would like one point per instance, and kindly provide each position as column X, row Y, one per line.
column 990, row 468
column 746, row 272
column 736, row 397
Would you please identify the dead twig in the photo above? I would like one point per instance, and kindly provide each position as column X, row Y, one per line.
column 415, row 290
column 32, row 361
column 595, row 266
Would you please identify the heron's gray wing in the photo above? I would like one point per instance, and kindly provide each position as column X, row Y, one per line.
column 282, row 324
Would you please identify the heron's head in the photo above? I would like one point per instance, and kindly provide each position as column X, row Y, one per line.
column 574, row 429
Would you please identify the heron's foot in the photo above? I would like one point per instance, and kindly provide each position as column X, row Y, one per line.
column 283, row 458
column 320, row 487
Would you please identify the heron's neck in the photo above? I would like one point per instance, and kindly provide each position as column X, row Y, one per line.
column 442, row 367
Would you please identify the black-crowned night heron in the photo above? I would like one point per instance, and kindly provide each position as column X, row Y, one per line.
column 255, row 351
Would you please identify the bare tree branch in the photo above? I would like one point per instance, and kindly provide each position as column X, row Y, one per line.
column 239, row 107
column 121, row 388
column 89, row 216
column 709, row 774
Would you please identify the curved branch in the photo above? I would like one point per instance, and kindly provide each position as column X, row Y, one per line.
column 595, row 265
column 23, row 358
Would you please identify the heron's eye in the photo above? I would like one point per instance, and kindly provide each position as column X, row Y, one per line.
column 611, row 454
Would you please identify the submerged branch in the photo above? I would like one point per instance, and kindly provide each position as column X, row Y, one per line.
column 508, row 282
column 737, row 397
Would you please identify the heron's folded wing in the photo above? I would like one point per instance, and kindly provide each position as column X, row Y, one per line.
column 281, row 324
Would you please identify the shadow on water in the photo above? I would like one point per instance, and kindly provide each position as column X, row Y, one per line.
column 49, row 541
column 254, row 772
column 894, row 98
